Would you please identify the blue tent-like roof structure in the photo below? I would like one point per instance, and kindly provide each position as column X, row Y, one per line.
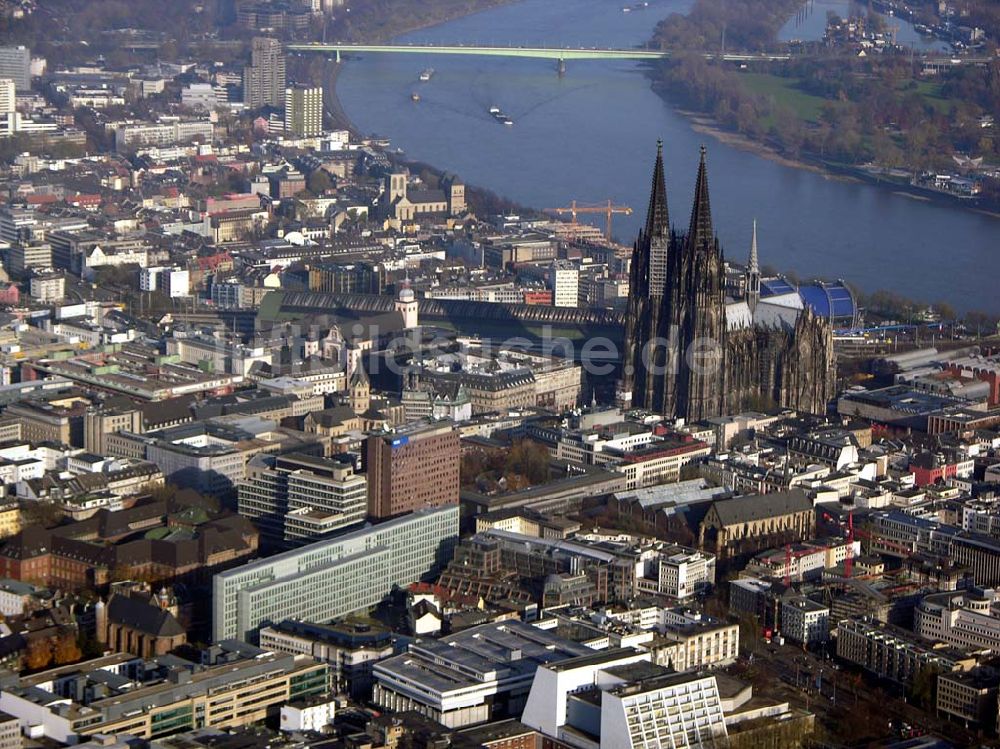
column 832, row 300
column 775, row 286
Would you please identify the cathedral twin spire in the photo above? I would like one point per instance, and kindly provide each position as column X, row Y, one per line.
column 700, row 233
column 677, row 303
column 658, row 217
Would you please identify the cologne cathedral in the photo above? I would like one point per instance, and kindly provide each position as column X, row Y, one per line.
column 691, row 352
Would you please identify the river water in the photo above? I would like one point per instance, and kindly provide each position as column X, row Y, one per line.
column 591, row 135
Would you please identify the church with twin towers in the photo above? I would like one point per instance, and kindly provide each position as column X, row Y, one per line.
column 692, row 352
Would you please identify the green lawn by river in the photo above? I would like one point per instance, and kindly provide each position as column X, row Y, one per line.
column 786, row 94
column 789, row 96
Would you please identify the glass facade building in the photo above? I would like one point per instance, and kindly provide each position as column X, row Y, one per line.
column 333, row 577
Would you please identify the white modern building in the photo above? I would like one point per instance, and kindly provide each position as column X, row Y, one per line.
column 674, row 711
column 683, row 573
column 15, row 596
column 8, row 96
column 174, row 282
column 565, row 284
column 313, row 714
column 303, row 111
column 619, row 700
column 200, row 96
column 804, row 621
column 47, row 287
column 969, row 619
column 477, row 675
column 137, row 135
column 217, row 355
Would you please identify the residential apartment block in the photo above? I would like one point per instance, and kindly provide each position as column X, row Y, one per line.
column 894, row 653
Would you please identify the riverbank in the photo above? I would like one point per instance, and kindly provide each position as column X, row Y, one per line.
column 334, row 109
column 388, row 34
column 704, row 124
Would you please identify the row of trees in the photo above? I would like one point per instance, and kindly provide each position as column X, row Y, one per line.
column 982, row 13
column 873, row 111
column 57, row 650
column 525, row 464
column 59, row 21
column 888, row 305
column 875, row 108
column 749, row 25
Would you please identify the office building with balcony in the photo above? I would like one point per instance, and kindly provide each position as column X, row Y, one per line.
column 264, row 77
column 894, row 653
column 296, row 498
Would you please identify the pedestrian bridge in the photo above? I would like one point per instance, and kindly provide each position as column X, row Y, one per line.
column 562, row 54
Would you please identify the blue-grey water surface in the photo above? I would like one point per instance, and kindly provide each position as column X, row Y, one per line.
column 591, row 135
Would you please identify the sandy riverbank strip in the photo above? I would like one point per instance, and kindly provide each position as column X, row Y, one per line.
column 706, row 125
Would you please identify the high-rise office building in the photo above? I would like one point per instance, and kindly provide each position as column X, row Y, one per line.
column 331, row 578
column 15, row 63
column 8, row 93
column 303, row 111
column 412, row 469
column 8, row 101
column 565, row 284
column 264, row 77
column 295, row 498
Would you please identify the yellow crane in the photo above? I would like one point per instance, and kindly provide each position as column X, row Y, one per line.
column 608, row 209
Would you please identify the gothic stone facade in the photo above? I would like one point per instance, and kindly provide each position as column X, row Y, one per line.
column 692, row 353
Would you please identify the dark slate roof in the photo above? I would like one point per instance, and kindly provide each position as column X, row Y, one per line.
column 136, row 612
column 333, row 416
column 422, row 197
column 156, row 413
column 493, row 382
column 761, row 506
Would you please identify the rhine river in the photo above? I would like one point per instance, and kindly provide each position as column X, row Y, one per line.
column 591, row 136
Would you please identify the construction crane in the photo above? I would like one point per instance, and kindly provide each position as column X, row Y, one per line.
column 849, row 561
column 788, row 565
column 608, row 209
